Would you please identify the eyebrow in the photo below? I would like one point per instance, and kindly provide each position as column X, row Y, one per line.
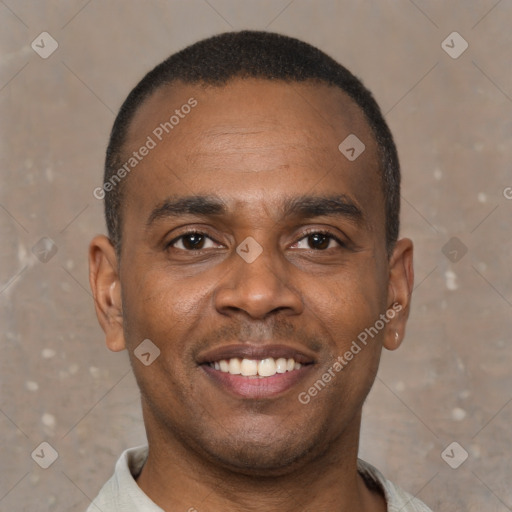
column 323, row 206
column 303, row 206
column 190, row 205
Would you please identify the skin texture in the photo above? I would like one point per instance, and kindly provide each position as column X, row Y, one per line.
column 253, row 144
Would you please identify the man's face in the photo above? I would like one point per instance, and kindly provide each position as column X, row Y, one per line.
column 254, row 166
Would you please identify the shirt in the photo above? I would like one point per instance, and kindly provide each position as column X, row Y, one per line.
column 122, row 494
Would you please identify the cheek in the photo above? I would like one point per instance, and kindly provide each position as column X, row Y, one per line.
column 346, row 307
column 154, row 292
column 158, row 305
column 347, row 302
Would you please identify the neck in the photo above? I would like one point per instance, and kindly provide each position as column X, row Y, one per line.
column 175, row 477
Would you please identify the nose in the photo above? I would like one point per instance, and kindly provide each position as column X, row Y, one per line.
column 258, row 287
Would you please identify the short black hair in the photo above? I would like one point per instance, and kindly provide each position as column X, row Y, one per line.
column 253, row 54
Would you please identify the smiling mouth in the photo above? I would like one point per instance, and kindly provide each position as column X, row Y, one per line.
column 262, row 368
column 252, row 371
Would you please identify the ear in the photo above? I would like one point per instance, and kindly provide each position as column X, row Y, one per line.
column 106, row 290
column 401, row 281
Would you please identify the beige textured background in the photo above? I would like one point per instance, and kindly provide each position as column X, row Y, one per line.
column 452, row 119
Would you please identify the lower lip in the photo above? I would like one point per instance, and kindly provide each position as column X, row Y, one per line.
column 255, row 387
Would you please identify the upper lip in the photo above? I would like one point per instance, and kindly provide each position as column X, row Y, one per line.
column 256, row 352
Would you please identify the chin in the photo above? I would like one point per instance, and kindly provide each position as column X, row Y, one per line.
column 271, row 457
column 259, row 461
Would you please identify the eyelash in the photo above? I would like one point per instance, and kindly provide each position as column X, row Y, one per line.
column 325, row 232
column 305, row 234
column 187, row 233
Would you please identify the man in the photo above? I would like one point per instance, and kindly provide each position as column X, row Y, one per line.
column 253, row 271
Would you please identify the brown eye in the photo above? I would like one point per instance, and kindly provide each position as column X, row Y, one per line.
column 319, row 241
column 192, row 242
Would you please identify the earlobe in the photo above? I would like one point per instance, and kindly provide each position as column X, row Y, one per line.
column 400, row 285
column 395, row 341
column 106, row 289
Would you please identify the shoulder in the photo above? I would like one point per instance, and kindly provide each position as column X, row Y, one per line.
column 396, row 498
column 121, row 492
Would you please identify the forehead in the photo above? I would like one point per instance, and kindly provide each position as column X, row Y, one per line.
column 312, row 110
column 251, row 138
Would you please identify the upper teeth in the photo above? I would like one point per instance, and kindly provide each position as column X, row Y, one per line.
column 252, row 367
